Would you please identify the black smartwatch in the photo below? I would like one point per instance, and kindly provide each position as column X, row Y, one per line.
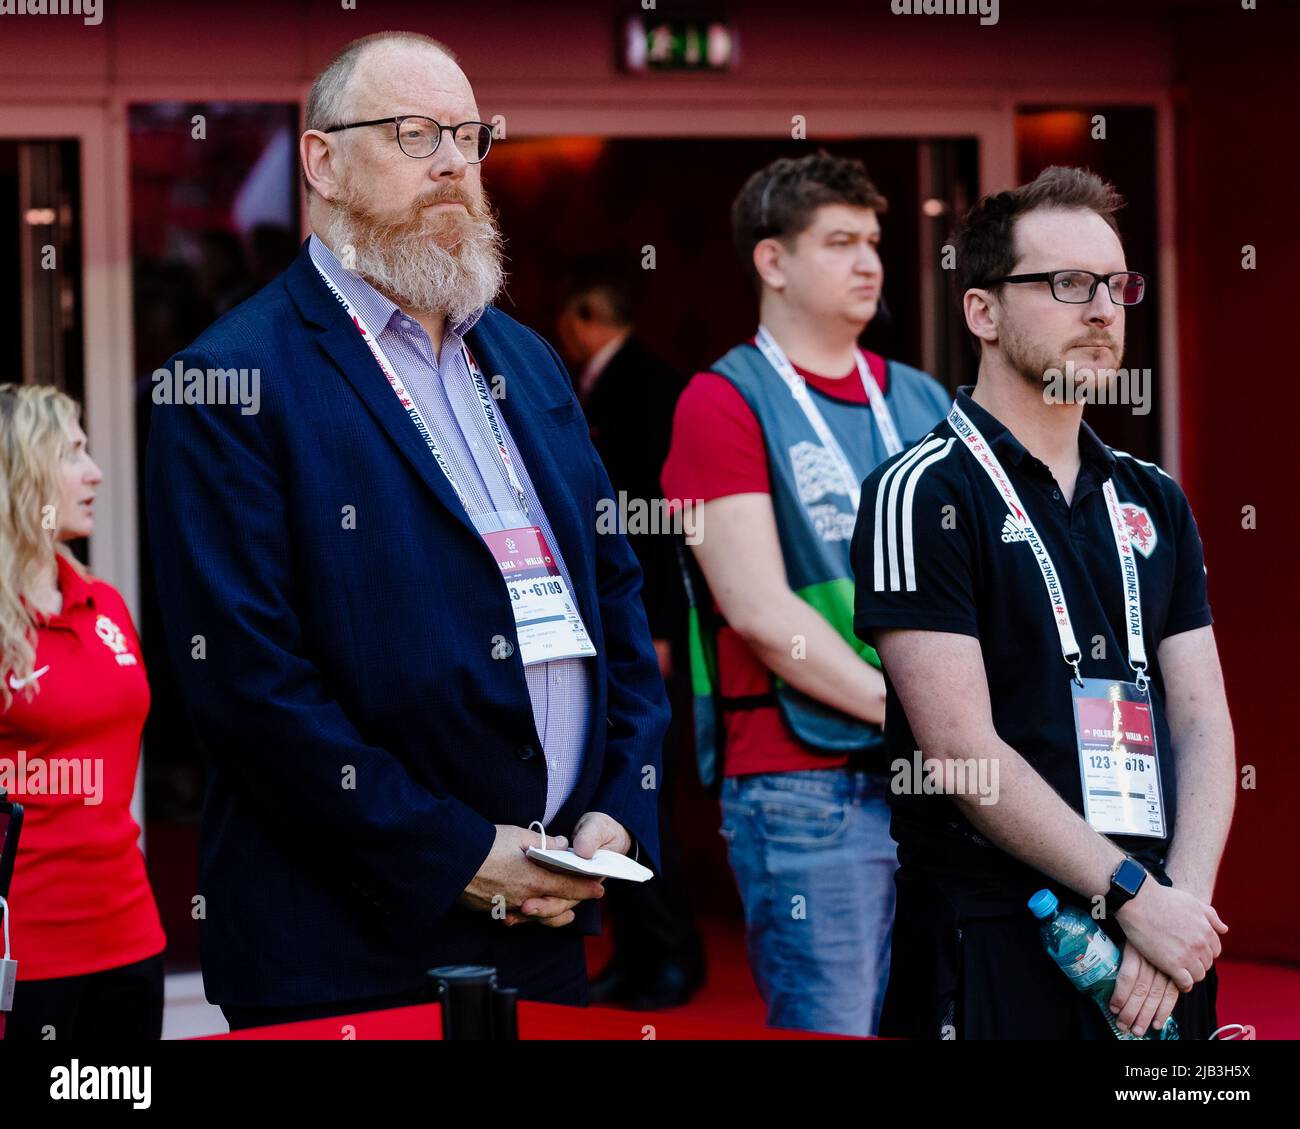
column 1125, row 882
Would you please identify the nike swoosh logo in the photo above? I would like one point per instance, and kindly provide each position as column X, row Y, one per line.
column 18, row 683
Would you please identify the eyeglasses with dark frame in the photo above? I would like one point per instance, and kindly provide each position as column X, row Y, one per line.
column 1076, row 287
column 419, row 137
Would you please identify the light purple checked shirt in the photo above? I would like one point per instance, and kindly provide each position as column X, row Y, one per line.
column 444, row 392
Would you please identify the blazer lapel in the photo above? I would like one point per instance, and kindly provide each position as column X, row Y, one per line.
column 343, row 345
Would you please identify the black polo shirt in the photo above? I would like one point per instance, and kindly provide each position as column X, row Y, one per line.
column 947, row 560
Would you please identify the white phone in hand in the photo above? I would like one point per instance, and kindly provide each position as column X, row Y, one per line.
column 603, row 864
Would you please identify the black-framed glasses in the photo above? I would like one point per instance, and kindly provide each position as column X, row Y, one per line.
column 1127, row 288
column 419, row 136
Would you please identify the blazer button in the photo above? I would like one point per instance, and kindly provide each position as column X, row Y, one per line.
column 526, row 753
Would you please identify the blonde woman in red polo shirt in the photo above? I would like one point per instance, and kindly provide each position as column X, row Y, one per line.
column 84, row 926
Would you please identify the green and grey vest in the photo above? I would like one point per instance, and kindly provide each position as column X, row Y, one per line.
column 815, row 520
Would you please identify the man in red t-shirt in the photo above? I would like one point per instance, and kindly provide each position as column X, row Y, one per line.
column 804, row 813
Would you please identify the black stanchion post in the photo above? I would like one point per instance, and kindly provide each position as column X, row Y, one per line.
column 465, row 992
column 505, row 1014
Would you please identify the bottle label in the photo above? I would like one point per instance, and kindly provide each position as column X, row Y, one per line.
column 1099, row 960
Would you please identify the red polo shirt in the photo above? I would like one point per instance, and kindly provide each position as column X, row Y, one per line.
column 718, row 450
column 80, row 898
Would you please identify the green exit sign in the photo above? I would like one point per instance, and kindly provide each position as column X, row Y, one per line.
column 652, row 43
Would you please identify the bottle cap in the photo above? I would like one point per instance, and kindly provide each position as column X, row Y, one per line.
column 1043, row 904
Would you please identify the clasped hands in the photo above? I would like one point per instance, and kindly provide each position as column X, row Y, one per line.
column 1173, row 940
column 528, row 891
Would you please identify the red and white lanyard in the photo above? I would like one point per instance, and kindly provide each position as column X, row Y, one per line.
column 1137, row 654
column 799, row 390
column 408, row 402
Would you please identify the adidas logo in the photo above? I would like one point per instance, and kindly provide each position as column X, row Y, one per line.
column 1011, row 531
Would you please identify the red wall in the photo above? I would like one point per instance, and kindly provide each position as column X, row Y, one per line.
column 1238, row 168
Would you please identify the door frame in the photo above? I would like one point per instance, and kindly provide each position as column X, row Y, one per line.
column 106, row 326
column 106, row 319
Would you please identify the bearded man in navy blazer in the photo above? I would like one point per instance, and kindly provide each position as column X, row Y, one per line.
column 393, row 620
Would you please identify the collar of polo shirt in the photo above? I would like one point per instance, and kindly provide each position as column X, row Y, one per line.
column 74, row 589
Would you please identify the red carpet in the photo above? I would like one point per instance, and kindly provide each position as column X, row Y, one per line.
column 1266, row 996
column 536, row 1022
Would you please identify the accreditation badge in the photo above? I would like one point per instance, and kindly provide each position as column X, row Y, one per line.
column 547, row 622
column 1115, row 733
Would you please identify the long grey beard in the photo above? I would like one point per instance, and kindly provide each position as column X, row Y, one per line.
column 418, row 272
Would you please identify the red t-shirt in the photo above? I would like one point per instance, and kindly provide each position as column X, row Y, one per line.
column 718, row 450
column 80, row 900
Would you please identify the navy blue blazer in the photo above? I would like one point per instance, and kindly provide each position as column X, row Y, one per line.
column 363, row 740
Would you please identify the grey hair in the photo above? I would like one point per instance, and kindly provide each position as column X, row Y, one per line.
column 328, row 101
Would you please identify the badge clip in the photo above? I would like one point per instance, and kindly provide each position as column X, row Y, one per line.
column 1140, row 673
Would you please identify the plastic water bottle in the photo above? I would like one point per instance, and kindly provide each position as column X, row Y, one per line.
column 1088, row 958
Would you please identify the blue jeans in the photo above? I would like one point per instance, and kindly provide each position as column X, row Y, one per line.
column 814, row 863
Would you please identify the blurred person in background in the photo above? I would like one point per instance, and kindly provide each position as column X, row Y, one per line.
column 775, row 439
column 84, row 927
column 628, row 394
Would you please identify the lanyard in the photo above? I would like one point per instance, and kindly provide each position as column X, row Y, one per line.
column 408, row 402
column 1137, row 655
column 799, row 390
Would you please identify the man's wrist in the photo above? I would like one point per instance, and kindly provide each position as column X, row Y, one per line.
column 1189, row 882
column 1137, row 905
column 1128, row 878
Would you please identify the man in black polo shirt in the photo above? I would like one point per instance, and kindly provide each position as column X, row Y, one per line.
column 1039, row 603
